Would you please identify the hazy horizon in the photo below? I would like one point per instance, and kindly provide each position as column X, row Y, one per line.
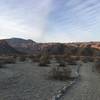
column 50, row 20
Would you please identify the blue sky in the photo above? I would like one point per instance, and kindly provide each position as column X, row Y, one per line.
column 50, row 20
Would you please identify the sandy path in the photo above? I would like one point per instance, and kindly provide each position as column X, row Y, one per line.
column 88, row 88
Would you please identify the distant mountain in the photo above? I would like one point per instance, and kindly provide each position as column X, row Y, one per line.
column 21, row 45
column 6, row 49
column 78, row 48
column 31, row 47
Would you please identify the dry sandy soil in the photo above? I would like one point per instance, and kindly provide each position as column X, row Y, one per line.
column 88, row 87
column 27, row 81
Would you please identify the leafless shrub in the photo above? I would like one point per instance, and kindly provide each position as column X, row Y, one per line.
column 9, row 61
column 60, row 73
column 62, row 64
column 87, row 59
column 22, row 58
column 76, row 58
column 96, row 59
column 71, row 61
column 1, row 65
column 97, row 65
column 35, row 58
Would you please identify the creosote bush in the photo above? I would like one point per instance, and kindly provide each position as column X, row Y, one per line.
column 62, row 63
column 1, row 65
column 87, row 59
column 71, row 61
column 44, row 60
column 22, row 58
column 9, row 61
column 97, row 65
column 60, row 73
column 36, row 58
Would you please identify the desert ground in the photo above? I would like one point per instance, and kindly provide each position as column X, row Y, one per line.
column 88, row 87
column 27, row 81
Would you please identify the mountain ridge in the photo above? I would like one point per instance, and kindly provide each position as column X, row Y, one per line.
column 31, row 47
column 6, row 49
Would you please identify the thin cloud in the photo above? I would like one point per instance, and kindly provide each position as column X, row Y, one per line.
column 29, row 19
column 44, row 20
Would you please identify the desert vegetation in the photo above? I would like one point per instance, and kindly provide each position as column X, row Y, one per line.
column 44, row 60
column 22, row 58
column 8, row 60
column 59, row 69
column 48, row 68
column 1, row 65
column 35, row 58
column 97, row 65
column 60, row 73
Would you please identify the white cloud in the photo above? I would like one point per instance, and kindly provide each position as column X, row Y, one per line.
column 24, row 21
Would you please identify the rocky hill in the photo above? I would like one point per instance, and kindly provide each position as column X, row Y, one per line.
column 6, row 49
column 21, row 45
column 31, row 47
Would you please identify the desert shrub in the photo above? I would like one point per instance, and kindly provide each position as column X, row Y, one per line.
column 1, row 65
column 60, row 73
column 44, row 60
column 96, row 59
column 84, row 60
column 62, row 63
column 87, row 59
column 97, row 65
column 14, row 56
column 9, row 61
column 36, row 58
column 59, row 58
column 22, row 58
column 71, row 61
column 87, row 51
column 76, row 58
column 31, row 56
column 67, row 55
column 67, row 58
column 90, row 59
